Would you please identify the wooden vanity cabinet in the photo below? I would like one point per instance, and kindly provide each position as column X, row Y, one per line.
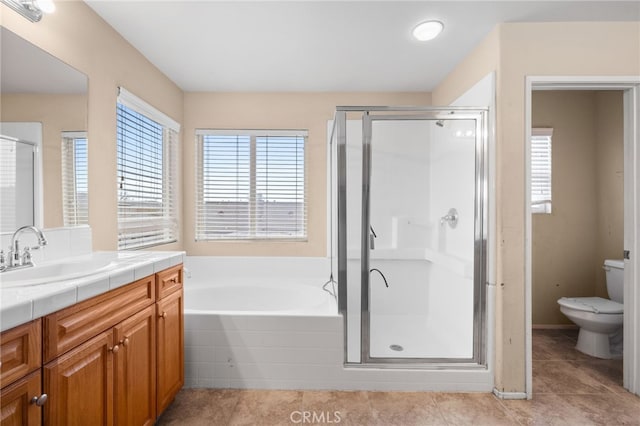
column 20, row 377
column 170, row 332
column 114, row 359
column 111, row 378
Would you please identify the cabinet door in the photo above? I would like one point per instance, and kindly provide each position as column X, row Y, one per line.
column 17, row 407
column 80, row 384
column 135, row 386
column 170, row 345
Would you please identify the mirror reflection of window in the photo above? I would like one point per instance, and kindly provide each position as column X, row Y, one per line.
column 75, row 179
column 16, row 183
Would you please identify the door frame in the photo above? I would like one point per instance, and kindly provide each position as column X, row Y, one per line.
column 630, row 86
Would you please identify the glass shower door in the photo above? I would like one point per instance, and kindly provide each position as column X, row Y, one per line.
column 421, row 205
column 413, row 246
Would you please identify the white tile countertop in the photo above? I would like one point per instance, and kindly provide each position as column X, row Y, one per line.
column 22, row 303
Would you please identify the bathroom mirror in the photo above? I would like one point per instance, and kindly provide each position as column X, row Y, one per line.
column 49, row 98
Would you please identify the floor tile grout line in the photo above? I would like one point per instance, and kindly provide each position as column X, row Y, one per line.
column 511, row 413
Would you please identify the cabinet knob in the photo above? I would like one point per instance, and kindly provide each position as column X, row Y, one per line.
column 114, row 349
column 163, row 315
column 125, row 341
column 39, row 400
column 173, row 280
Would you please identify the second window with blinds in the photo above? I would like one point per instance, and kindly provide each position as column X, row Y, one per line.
column 251, row 185
column 147, row 167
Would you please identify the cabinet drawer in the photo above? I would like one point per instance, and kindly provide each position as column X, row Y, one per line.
column 20, row 351
column 168, row 281
column 70, row 327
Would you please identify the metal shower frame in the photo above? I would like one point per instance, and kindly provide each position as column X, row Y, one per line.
column 373, row 113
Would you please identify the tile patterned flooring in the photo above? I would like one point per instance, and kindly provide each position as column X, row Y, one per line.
column 569, row 388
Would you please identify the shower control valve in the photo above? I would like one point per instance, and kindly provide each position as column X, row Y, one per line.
column 451, row 218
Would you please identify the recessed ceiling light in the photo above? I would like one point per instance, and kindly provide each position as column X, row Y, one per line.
column 428, row 30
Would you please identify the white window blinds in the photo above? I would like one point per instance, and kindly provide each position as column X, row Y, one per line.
column 147, row 167
column 75, row 194
column 250, row 185
column 8, row 184
column 541, row 170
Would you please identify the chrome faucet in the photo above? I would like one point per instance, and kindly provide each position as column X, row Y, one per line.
column 17, row 259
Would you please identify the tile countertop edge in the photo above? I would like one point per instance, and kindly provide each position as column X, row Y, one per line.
column 22, row 311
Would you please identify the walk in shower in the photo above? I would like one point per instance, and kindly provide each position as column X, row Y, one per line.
column 409, row 204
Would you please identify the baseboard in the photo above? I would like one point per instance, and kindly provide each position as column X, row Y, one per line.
column 554, row 327
column 509, row 395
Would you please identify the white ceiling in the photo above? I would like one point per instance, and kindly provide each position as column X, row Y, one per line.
column 323, row 45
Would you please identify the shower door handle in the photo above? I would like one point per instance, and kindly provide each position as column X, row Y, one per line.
column 372, row 238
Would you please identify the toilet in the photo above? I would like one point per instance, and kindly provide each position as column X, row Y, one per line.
column 600, row 320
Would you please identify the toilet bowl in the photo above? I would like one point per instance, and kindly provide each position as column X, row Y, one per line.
column 600, row 320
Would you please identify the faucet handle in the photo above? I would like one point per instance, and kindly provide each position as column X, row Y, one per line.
column 26, row 256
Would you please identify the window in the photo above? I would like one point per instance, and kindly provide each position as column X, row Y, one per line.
column 250, row 185
column 75, row 191
column 541, row 170
column 147, row 170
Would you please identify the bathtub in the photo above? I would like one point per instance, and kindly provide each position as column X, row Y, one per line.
column 266, row 323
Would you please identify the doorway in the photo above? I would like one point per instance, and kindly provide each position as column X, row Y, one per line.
column 628, row 87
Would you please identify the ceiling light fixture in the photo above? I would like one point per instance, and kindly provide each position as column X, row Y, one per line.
column 31, row 9
column 428, row 30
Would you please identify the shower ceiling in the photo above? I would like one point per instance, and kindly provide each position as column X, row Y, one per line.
column 323, row 45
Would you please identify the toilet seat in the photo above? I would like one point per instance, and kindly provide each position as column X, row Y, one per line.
column 597, row 305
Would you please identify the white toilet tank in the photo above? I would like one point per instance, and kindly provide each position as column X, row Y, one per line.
column 614, row 269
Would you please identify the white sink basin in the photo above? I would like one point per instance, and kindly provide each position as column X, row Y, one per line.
column 65, row 269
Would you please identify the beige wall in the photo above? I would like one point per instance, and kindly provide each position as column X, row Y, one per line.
column 564, row 243
column 309, row 111
column 609, row 132
column 77, row 36
column 57, row 113
column 521, row 50
column 484, row 59
column 540, row 49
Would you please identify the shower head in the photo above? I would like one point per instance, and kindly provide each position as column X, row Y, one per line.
column 440, row 123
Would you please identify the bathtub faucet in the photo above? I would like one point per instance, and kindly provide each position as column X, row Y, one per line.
column 381, row 274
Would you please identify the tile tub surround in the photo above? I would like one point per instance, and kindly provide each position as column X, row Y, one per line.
column 19, row 305
column 271, row 351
